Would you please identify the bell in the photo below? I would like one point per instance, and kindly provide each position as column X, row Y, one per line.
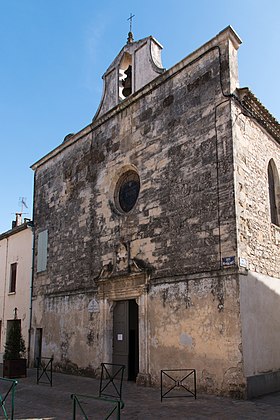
column 127, row 82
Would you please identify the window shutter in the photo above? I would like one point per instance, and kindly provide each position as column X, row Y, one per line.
column 42, row 251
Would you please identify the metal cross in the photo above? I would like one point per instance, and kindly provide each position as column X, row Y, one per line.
column 130, row 23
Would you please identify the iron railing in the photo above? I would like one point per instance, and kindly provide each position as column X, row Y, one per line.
column 8, row 393
column 111, row 380
column 80, row 403
column 182, row 380
column 44, row 370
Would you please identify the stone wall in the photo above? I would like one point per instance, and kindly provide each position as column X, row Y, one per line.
column 258, row 238
column 176, row 133
column 259, row 245
column 178, row 138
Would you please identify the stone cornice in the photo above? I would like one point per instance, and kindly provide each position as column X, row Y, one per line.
column 259, row 112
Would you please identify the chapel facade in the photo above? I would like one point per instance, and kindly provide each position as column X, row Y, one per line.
column 157, row 227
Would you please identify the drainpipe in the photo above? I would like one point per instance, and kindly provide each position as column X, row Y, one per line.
column 4, row 292
column 30, row 226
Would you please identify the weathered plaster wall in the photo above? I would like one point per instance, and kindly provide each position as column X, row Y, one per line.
column 76, row 334
column 188, row 324
column 259, row 305
column 196, row 324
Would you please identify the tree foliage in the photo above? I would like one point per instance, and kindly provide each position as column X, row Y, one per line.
column 15, row 345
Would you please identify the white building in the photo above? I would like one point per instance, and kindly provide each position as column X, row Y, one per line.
column 15, row 279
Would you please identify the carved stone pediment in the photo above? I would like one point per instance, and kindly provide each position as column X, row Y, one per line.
column 123, row 265
column 122, row 268
column 123, row 287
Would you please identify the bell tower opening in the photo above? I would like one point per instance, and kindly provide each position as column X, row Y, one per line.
column 136, row 65
column 125, row 76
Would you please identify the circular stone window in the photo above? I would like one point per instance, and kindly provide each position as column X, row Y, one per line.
column 127, row 191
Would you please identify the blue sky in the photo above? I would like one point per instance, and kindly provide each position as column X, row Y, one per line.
column 54, row 52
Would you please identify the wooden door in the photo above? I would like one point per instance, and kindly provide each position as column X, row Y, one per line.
column 125, row 340
column 121, row 334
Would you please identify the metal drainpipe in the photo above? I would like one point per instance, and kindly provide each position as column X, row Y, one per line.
column 32, row 274
column 31, row 293
column 3, row 334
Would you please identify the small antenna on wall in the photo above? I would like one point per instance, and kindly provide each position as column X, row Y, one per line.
column 22, row 204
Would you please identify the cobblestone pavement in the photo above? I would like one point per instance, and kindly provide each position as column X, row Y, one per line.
column 41, row 401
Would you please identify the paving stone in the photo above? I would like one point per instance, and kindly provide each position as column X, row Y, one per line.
column 41, row 401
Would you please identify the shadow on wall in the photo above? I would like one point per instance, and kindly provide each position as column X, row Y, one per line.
column 260, row 316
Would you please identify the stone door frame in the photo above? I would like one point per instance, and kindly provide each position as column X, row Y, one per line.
column 126, row 287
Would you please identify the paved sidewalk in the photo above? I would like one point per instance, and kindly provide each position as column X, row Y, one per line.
column 41, row 401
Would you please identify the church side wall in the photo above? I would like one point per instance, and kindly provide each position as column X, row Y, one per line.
column 258, row 238
column 259, row 301
column 258, row 244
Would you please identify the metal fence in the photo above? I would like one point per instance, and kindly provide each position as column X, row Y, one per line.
column 81, row 406
column 7, row 397
column 111, row 380
column 177, row 383
column 44, row 370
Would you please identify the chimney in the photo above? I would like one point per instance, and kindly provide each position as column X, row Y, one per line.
column 18, row 219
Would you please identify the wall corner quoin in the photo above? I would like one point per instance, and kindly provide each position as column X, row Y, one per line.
column 229, row 42
column 228, row 34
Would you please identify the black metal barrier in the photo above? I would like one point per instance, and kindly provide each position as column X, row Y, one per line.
column 111, row 380
column 44, row 370
column 81, row 402
column 7, row 392
column 177, row 383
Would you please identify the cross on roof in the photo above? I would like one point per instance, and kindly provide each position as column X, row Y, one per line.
column 130, row 23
